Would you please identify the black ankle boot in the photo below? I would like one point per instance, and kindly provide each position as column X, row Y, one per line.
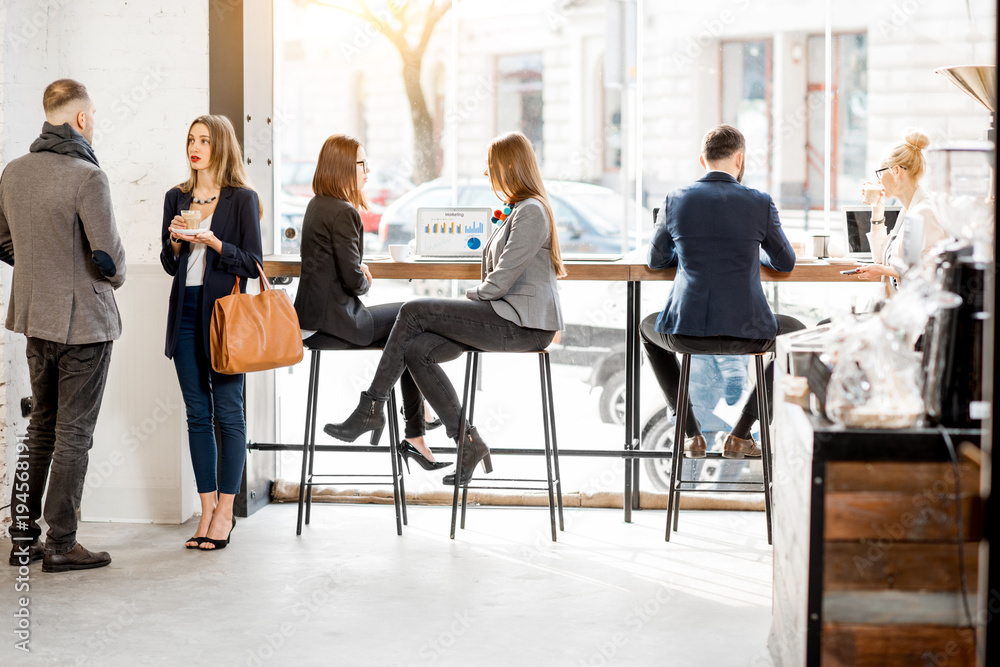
column 368, row 416
column 474, row 451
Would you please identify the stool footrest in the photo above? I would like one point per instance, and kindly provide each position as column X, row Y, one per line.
column 507, row 488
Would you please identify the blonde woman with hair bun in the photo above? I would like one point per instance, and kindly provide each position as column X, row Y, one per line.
column 900, row 173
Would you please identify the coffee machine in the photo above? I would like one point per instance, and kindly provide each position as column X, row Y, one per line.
column 963, row 186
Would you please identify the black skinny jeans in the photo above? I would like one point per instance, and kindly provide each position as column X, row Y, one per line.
column 431, row 331
column 383, row 318
column 663, row 361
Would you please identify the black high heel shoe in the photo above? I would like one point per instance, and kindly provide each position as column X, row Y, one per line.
column 473, row 452
column 219, row 544
column 368, row 416
column 408, row 451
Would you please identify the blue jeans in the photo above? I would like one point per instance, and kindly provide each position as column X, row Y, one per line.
column 206, row 393
column 67, row 385
column 668, row 371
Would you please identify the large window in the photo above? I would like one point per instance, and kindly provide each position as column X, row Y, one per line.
column 849, row 129
column 746, row 103
column 519, row 97
column 615, row 95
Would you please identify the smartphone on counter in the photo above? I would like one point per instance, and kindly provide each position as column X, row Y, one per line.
column 849, row 272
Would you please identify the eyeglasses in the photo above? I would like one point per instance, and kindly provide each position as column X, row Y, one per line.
column 364, row 165
column 879, row 172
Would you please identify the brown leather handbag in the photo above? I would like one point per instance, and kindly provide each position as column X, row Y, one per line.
column 254, row 332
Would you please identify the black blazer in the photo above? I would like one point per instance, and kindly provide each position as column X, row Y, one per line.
column 236, row 222
column 331, row 281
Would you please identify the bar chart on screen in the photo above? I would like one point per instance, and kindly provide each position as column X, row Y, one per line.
column 451, row 232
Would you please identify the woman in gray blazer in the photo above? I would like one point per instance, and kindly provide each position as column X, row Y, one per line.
column 333, row 277
column 515, row 307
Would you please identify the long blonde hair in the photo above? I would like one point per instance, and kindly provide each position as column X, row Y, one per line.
column 226, row 162
column 337, row 171
column 514, row 176
column 909, row 154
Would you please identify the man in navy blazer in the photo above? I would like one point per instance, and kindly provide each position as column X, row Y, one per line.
column 717, row 233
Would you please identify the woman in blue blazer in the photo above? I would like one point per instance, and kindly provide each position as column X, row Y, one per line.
column 515, row 307
column 205, row 264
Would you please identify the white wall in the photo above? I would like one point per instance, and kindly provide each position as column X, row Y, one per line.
column 146, row 66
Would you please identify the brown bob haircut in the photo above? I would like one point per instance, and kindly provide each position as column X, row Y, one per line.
column 337, row 171
column 721, row 142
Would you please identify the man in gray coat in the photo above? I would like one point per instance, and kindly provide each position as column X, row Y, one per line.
column 57, row 229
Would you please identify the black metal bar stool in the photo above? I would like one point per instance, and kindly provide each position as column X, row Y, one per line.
column 552, row 478
column 680, row 421
column 308, row 478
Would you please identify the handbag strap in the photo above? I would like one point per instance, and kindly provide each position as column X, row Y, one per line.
column 264, row 283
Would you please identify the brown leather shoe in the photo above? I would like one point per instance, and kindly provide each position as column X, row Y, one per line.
column 77, row 559
column 23, row 553
column 737, row 448
column 695, row 447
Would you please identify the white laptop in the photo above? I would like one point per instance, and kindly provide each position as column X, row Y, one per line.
column 451, row 233
column 858, row 222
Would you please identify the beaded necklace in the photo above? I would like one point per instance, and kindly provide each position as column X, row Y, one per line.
column 499, row 216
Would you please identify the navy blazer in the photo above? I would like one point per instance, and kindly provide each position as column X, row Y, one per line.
column 235, row 222
column 718, row 233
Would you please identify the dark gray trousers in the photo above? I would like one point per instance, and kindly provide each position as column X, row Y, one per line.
column 67, row 385
column 431, row 331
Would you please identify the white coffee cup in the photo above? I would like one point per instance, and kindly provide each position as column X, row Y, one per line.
column 399, row 253
column 870, row 192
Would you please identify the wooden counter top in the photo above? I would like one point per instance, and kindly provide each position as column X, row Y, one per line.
column 624, row 269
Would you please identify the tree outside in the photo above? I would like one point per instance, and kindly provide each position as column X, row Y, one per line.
column 409, row 26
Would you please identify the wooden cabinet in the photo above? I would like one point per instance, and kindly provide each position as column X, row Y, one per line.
column 866, row 546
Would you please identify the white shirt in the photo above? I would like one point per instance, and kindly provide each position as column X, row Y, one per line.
column 196, row 259
column 933, row 232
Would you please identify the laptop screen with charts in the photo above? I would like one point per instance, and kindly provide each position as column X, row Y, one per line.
column 445, row 233
column 858, row 220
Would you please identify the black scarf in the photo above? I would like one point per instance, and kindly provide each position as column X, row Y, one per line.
column 64, row 140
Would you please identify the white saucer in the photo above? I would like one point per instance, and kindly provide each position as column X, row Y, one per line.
column 188, row 232
column 841, row 260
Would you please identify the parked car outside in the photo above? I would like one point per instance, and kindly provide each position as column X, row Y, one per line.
column 588, row 217
column 383, row 187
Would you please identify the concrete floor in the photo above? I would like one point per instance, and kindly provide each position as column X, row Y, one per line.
column 350, row 592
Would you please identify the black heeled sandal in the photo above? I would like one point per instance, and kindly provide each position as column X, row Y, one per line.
column 219, row 544
column 197, row 542
column 408, row 451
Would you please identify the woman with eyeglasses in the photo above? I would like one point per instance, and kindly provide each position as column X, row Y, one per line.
column 899, row 175
column 334, row 277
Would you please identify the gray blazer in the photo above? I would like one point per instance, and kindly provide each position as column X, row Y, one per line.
column 518, row 277
column 55, row 219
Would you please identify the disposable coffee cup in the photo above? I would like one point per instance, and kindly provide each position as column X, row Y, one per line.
column 192, row 219
column 870, row 192
column 399, row 253
column 821, row 246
